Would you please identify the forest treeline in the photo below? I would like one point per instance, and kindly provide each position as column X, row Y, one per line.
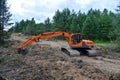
column 95, row 24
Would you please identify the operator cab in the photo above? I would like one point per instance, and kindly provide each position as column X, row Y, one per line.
column 76, row 38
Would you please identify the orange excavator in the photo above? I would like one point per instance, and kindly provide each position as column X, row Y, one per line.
column 77, row 45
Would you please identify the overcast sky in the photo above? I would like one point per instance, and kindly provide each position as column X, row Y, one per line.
column 41, row 9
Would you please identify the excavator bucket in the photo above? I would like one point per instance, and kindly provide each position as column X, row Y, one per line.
column 22, row 51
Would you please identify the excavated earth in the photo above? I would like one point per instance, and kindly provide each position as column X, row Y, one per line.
column 45, row 61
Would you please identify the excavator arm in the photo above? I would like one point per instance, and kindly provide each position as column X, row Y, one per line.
column 45, row 35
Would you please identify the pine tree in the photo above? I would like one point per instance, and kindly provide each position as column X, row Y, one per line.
column 106, row 28
column 47, row 25
column 118, row 23
column 4, row 18
column 117, row 29
column 62, row 20
column 90, row 26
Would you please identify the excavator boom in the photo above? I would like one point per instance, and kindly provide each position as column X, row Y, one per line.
column 45, row 35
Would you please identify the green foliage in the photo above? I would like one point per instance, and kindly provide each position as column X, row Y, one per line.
column 47, row 25
column 4, row 19
column 62, row 20
column 25, row 27
column 117, row 28
column 94, row 25
column 107, row 30
column 90, row 27
column 3, row 61
column 77, row 22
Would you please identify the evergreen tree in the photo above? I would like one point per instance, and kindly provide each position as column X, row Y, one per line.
column 74, row 27
column 106, row 28
column 90, row 26
column 117, row 31
column 77, row 22
column 4, row 18
column 62, row 20
column 47, row 25
column 117, row 28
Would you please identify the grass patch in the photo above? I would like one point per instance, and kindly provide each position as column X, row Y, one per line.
column 110, row 48
column 105, row 43
column 3, row 60
column 5, row 44
column 17, row 58
column 117, row 46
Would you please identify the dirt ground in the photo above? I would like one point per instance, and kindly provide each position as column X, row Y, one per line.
column 45, row 61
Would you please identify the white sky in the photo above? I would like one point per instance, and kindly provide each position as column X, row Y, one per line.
column 41, row 9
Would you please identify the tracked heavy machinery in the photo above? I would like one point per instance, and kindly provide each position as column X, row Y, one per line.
column 77, row 46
